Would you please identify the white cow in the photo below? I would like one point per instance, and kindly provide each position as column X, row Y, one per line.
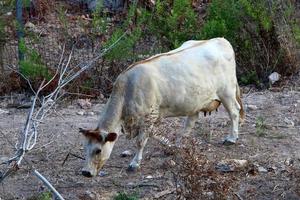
column 193, row 78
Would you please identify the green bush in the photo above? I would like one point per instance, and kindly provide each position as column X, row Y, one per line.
column 253, row 28
column 125, row 196
column 174, row 24
column 42, row 196
column 32, row 66
column 125, row 48
column 263, row 33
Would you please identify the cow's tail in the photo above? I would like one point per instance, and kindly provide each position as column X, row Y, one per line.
column 239, row 100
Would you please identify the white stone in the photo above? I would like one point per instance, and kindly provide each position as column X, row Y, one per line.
column 126, row 153
column 84, row 103
column 289, row 122
column 274, row 77
column 4, row 111
column 29, row 25
column 91, row 113
column 80, row 113
column 262, row 169
column 252, row 107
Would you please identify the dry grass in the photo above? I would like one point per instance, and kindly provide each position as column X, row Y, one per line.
column 195, row 175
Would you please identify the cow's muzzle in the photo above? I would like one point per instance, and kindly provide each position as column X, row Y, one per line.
column 86, row 173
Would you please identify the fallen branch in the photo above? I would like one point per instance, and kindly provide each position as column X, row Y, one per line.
column 46, row 182
column 71, row 154
column 28, row 137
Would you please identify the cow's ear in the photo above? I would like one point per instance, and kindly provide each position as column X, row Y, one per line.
column 92, row 134
column 111, row 137
column 83, row 131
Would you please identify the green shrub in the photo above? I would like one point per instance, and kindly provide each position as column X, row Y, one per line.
column 125, row 48
column 32, row 66
column 42, row 196
column 171, row 22
column 253, row 28
column 174, row 24
column 125, row 196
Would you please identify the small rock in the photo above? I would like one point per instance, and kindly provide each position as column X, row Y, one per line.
column 3, row 159
column 272, row 169
column 289, row 122
column 149, row 177
column 29, row 25
column 130, row 184
column 4, row 111
column 71, row 107
column 231, row 165
column 252, row 107
column 289, row 162
column 89, row 195
column 84, row 103
column 8, row 14
column 126, row 153
column 91, row 113
column 80, row 113
column 172, row 163
column 274, row 77
column 102, row 173
column 262, row 169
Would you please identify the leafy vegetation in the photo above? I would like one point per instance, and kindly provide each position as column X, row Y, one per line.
column 260, row 126
column 252, row 28
column 175, row 24
column 42, row 196
column 125, row 196
column 32, row 65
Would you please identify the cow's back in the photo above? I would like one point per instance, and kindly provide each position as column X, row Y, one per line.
column 182, row 81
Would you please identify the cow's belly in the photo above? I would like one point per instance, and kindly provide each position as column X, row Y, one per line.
column 187, row 106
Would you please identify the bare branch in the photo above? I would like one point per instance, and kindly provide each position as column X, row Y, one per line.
column 46, row 182
column 28, row 137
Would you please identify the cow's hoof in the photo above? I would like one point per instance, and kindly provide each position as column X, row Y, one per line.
column 132, row 169
column 229, row 141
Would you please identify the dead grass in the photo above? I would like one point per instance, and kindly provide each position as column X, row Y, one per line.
column 195, row 175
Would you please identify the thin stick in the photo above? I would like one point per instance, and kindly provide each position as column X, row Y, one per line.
column 28, row 137
column 46, row 182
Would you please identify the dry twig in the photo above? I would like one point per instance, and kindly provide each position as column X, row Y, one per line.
column 46, row 182
column 28, row 137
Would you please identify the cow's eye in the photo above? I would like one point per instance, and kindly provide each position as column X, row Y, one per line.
column 97, row 151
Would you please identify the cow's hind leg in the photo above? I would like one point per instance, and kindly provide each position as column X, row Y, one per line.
column 233, row 108
column 188, row 126
column 141, row 142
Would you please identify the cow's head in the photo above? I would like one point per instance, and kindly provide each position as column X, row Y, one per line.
column 98, row 147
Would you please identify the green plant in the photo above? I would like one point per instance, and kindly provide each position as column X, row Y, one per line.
column 249, row 77
column 125, row 48
column 254, row 27
column 260, row 126
column 125, row 196
column 42, row 196
column 63, row 20
column 174, row 23
column 32, row 65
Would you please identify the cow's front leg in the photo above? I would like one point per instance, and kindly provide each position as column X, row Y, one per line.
column 141, row 141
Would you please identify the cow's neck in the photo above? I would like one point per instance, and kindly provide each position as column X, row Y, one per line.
column 111, row 116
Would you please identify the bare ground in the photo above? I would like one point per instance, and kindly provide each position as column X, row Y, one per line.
column 269, row 138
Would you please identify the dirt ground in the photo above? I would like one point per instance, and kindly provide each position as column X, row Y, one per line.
column 269, row 140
